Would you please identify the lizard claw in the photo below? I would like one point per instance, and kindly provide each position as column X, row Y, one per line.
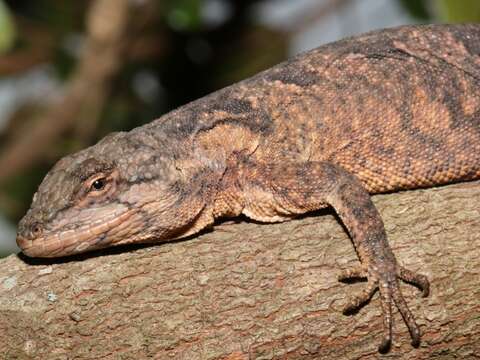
column 385, row 345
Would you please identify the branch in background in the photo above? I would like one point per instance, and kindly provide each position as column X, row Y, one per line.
column 85, row 93
column 21, row 61
column 253, row 291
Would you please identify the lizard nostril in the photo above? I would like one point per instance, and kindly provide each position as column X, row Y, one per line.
column 36, row 230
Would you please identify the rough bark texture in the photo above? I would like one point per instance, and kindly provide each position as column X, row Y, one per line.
column 252, row 291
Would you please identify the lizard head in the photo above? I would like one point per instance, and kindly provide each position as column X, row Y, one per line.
column 120, row 190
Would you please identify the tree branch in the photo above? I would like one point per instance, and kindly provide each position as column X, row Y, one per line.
column 252, row 291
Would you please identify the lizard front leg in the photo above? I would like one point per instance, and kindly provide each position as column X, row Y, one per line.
column 278, row 191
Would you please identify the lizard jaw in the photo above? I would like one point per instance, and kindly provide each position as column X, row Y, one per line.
column 80, row 240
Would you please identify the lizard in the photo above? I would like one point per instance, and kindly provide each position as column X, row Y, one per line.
column 393, row 109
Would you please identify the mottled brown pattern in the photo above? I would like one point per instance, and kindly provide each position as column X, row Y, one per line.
column 388, row 110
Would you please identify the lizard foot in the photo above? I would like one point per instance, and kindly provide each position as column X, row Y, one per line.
column 390, row 294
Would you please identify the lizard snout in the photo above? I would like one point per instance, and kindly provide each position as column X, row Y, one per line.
column 30, row 231
column 27, row 236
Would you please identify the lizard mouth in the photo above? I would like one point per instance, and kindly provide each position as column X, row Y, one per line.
column 86, row 238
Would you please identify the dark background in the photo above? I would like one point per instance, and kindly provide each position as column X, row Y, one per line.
column 73, row 71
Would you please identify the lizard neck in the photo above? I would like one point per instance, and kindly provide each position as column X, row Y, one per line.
column 221, row 155
column 229, row 200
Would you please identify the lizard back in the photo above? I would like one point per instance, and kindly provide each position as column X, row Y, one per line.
column 399, row 108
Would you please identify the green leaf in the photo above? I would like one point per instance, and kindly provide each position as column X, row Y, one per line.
column 416, row 8
column 184, row 15
column 7, row 29
column 456, row 11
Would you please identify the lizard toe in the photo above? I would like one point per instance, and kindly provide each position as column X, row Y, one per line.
column 357, row 301
column 357, row 272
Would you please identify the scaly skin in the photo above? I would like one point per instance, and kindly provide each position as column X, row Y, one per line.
column 388, row 110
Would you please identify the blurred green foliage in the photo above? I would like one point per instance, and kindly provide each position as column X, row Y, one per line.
column 456, row 11
column 446, row 11
column 7, row 29
column 417, row 8
column 183, row 15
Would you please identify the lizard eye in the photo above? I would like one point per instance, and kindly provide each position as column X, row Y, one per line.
column 98, row 181
column 98, row 184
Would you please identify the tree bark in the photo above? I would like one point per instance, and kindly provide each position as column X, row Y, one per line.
column 252, row 291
